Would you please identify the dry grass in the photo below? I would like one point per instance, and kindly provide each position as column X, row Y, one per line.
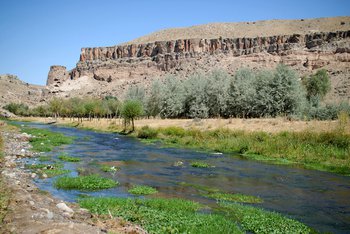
column 271, row 125
column 248, row 29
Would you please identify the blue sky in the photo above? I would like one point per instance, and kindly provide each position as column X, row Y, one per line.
column 36, row 34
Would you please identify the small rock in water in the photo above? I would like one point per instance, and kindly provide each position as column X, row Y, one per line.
column 62, row 206
column 217, row 153
column 33, row 175
column 44, row 176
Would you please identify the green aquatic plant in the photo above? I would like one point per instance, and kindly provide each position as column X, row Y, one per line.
column 160, row 215
column 200, row 164
column 43, row 140
column 44, row 166
column 142, row 190
column 257, row 220
column 55, row 172
column 90, row 182
column 234, row 197
column 67, row 158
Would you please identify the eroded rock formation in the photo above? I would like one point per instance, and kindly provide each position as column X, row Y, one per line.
column 137, row 63
column 57, row 75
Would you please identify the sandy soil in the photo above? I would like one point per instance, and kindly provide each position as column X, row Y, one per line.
column 271, row 125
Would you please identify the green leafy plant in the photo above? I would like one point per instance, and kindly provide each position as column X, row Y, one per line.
column 200, row 164
column 234, row 197
column 67, row 158
column 257, row 220
column 91, row 182
column 142, row 190
column 162, row 215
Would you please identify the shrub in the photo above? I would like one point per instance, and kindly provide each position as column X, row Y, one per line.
column 147, row 133
column 317, row 85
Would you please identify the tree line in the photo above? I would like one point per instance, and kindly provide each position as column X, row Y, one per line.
column 247, row 94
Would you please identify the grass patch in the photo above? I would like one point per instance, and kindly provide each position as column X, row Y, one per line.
column 325, row 151
column 200, row 164
column 89, row 183
column 51, row 170
column 257, row 220
column 142, row 190
column 44, row 166
column 147, row 133
column 67, row 158
column 44, row 140
column 55, row 172
column 215, row 193
column 234, row 197
column 162, row 215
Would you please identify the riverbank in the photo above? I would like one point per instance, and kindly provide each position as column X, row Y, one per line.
column 318, row 145
column 270, row 125
column 26, row 209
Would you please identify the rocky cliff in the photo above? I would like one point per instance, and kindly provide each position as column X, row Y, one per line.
column 114, row 68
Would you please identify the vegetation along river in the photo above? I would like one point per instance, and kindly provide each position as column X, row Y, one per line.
column 318, row 199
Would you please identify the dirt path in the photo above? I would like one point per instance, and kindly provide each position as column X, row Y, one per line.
column 33, row 211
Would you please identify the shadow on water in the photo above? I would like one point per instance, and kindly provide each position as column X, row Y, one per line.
column 319, row 199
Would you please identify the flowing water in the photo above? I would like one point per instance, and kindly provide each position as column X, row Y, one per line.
column 318, row 199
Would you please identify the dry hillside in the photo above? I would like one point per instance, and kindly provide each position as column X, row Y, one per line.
column 248, row 29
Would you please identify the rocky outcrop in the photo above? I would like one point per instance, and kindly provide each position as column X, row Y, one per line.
column 120, row 66
column 165, row 55
column 57, row 75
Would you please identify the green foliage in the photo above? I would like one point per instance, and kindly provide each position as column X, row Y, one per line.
column 147, row 133
column 172, row 98
column 325, row 151
column 162, row 215
column 17, row 109
column 233, row 197
column 43, row 166
column 55, row 172
column 142, row 190
column 257, row 220
column 67, row 158
column 44, row 140
column 90, row 183
column 317, row 85
column 131, row 110
column 152, row 107
column 200, row 164
column 51, row 170
column 328, row 111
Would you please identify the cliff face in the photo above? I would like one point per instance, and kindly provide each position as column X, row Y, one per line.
column 139, row 63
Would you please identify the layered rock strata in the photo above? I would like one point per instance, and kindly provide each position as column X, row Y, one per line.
column 139, row 62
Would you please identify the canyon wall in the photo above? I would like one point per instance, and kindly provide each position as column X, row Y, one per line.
column 138, row 63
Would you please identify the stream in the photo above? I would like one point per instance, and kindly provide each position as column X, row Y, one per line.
column 318, row 199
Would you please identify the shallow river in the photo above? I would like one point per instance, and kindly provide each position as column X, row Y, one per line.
column 318, row 199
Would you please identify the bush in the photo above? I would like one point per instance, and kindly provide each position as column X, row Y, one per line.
column 147, row 133
column 317, row 85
